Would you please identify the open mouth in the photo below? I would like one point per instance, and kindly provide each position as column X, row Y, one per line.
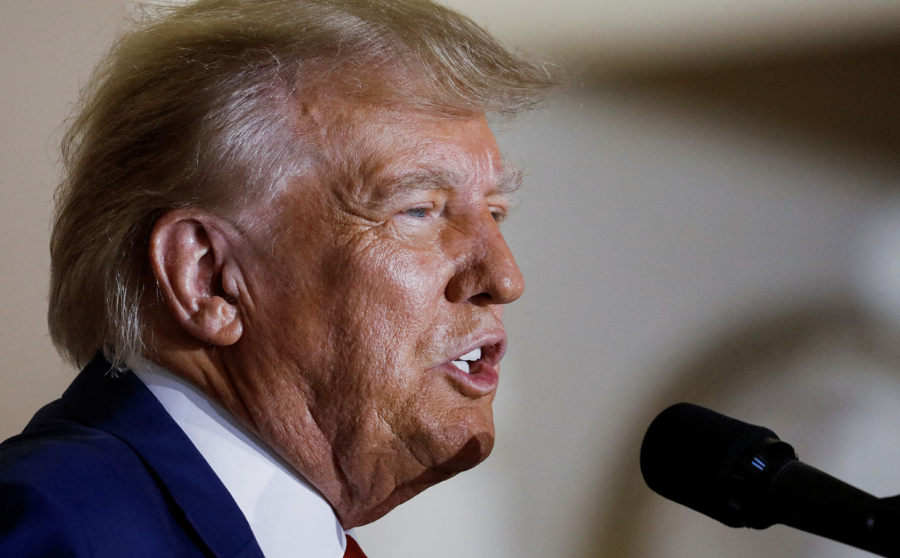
column 464, row 362
column 475, row 373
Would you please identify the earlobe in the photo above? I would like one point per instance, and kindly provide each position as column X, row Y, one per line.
column 189, row 257
column 219, row 321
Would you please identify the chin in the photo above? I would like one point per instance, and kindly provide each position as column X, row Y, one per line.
column 472, row 452
column 465, row 442
column 439, row 455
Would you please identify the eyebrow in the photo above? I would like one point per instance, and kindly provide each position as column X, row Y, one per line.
column 509, row 182
column 510, row 179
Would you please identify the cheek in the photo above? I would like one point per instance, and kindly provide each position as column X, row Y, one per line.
column 394, row 324
column 394, row 298
column 414, row 279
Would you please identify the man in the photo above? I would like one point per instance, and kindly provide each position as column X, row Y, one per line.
column 277, row 257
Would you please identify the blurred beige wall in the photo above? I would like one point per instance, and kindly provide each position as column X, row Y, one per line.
column 617, row 32
column 49, row 47
column 652, row 225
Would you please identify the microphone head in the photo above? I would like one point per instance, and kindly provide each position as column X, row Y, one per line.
column 689, row 453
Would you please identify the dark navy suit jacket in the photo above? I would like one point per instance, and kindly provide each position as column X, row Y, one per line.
column 105, row 472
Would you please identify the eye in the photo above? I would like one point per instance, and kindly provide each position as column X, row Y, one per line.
column 416, row 212
column 499, row 215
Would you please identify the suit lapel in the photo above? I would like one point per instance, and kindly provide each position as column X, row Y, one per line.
column 126, row 409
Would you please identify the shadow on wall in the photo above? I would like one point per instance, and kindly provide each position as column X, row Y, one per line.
column 845, row 99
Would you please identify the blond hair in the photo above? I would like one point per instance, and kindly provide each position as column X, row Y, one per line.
column 198, row 105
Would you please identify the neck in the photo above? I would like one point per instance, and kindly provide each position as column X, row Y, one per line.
column 221, row 375
column 280, row 413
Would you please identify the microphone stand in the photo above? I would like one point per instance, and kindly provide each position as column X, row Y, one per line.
column 744, row 476
column 770, row 485
column 883, row 523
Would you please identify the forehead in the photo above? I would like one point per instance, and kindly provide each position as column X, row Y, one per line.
column 412, row 137
column 396, row 149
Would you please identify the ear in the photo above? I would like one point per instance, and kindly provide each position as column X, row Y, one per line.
column 193, row 261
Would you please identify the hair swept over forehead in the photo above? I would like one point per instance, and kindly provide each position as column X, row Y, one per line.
column 201, row 104
column 425, row 54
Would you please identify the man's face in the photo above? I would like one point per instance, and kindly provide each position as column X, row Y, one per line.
column 362, row 313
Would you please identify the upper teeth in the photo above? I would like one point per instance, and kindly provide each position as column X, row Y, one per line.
column 463, row 362
column 474, row 355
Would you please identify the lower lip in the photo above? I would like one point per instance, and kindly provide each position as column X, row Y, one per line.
column 482, row 380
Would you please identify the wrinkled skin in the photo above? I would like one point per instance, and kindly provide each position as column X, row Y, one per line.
column 333, row 336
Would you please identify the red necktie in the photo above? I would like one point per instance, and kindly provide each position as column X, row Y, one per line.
column 353, row 550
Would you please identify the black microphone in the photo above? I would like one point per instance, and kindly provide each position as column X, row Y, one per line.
column 744, row 476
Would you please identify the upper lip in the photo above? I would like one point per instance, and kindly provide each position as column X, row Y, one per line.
column 492, row 344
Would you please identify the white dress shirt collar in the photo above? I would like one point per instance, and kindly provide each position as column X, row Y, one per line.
column 289, row 518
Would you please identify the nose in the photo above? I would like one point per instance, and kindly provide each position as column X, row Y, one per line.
column 486, row 273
